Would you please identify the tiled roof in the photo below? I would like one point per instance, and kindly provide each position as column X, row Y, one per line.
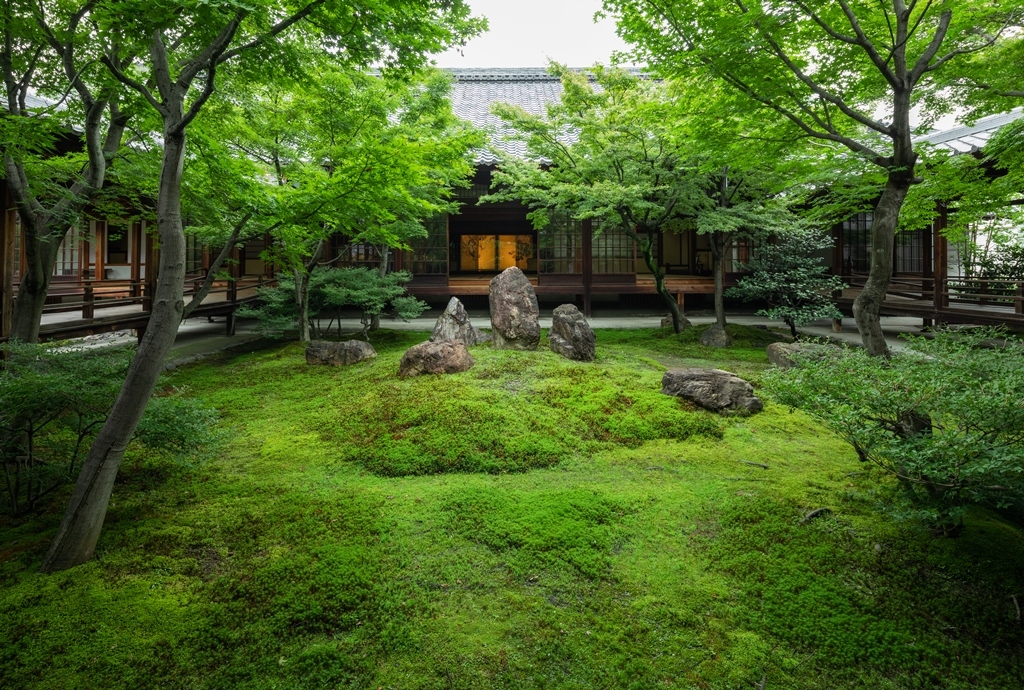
column 970, row 138
column 531, row 88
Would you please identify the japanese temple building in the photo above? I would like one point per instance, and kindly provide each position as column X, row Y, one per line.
column 111, row 259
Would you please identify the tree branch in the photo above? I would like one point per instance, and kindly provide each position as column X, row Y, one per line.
column 132, row 84
column 281, row 26
column 965, row 51
column 864, row 42
column 213, row 52
column 225, row 252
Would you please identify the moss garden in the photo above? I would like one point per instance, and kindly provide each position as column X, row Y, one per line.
column 531, row 523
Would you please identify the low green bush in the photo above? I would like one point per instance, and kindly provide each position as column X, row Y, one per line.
column 53, row 401
column 943, row 416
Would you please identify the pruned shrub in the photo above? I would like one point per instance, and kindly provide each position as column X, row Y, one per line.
column 944, row 417
column 53, row 401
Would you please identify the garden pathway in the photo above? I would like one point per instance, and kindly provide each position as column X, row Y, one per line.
column 200, row 337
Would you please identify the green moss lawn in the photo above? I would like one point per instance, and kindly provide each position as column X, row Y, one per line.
column 532, row 523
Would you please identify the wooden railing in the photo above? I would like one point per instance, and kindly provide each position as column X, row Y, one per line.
column 107, row 294
column 110, row 305
column 954, row 292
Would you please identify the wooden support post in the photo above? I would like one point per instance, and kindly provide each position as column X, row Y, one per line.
column 101, row 243
column 940, row 261
column 588, row 265
column 1018, row 304
column 230, row 326
column 681, row 301
column 88, row 301
column 138, row 238
column 6, row 268
column 152, row 261
column 837, row 325
column 234, row 273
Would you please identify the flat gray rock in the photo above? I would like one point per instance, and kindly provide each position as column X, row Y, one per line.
column 515, row 315
column 442, row 357
column 338, row 354
column 570, row 335
column 712, row 389
column 454, row 324
column 781, row 354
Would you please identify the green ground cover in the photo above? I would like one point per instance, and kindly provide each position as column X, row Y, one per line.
column 530, row 523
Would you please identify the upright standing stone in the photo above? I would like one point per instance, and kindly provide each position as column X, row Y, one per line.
column 715, row 336
column 454, row 324
column 515, row 316
column 570, row 335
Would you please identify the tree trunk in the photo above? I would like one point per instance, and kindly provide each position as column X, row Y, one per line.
column 718, row 242
column 28, row 306
column 42, row 233
column 83, row 520
column 302, row 302
column 868, row 305
column 302, row 290
column 647, row 249
column 211, row 274
column 45, row 228
column 382, row 271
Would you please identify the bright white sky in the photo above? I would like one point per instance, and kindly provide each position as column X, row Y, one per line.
column 526, row 33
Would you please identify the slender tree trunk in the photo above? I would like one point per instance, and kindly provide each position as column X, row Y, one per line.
column 868, row 305
column 718, row 243
column 211, row 275
column 302, row 277
column 382, row 271
column 647, row 250
column 83, row 520
column 302, row 302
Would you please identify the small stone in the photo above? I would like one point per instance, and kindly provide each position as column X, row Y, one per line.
column 454, row 324
column 338, row 354
column 715, row 336
column 684, row 323
column 570, row 335
column 712, row 389
column 781, row 354
column 442, row 357
column 515, row 314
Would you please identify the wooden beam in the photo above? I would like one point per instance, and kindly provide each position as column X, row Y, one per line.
column 588, row 264
column 6, row 266
column 137, row 240
column 940, row 260
column 101, row 245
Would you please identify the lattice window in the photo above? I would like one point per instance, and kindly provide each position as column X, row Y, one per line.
column 910, row 252
column 561, row 245
column 612, row 251
column 473, row 192
column 193, row 254
column 429, row 255
column 857, row 243
column 68, row 255
column 17, row 245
